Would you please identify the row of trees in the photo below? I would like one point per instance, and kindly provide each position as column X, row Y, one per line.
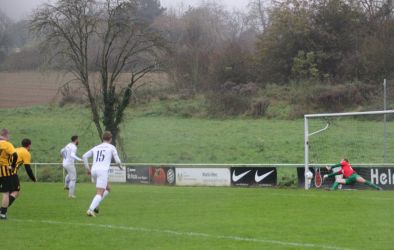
column 283, row 41
column 210, row 45
column 328, row 39
column 272, row 42
column 12, row 35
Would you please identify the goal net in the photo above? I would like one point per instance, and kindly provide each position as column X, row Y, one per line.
column 365, row 138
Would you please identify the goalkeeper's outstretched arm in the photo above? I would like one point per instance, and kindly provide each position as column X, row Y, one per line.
column 335, row 173
column 333, row 166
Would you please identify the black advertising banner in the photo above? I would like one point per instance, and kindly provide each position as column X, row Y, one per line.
column 137, row 175
column 317, row 180
column 253, row 176
column 381, row 176
column 150, row 175
column 162, row 175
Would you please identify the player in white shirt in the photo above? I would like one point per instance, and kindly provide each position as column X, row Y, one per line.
column 102, row 156
column 69, row 154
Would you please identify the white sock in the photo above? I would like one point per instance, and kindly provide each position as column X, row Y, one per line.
column 106, row 193
column 95, row 202
column 71, row 186
column 66, row 181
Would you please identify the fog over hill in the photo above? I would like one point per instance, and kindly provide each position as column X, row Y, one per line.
column 19, row 9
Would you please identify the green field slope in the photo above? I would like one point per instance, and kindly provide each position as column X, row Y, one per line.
column 161, row 139
column 171, row 139
column 149, row 217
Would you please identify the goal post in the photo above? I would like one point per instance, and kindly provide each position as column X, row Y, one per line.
column 350, row 135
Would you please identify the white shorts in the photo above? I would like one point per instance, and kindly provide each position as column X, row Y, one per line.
column 100, row 177
column 71, row 171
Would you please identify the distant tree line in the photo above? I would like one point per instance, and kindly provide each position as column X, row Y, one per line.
column 292, row 40
column 231, row 56
column 334, row 40
column 14, row 36
column 272, row 42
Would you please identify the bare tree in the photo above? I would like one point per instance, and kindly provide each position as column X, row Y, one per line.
column 258, row 13
column 378, row 10
column 102, row 36
column 5, row 42
column 202, row 32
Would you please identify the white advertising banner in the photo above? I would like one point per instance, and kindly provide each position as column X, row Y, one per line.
column 117, row 175
column 203, row 177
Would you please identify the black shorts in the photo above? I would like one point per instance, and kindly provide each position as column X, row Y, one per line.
column 9, row 184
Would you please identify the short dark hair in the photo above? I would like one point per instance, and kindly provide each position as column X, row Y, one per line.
column 26, row 142
column 107, row 135
column 74, row 138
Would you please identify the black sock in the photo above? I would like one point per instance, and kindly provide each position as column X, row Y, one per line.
column 12, row 199
column 3, row 210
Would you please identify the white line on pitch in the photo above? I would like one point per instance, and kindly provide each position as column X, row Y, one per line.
column 189, row 234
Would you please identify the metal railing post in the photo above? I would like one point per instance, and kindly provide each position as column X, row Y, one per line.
column 35, row 171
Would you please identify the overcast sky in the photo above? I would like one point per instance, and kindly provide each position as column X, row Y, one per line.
column 17, row 9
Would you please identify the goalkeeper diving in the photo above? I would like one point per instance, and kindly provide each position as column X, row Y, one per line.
column 350, row 176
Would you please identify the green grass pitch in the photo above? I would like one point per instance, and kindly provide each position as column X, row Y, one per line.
column 153, row 217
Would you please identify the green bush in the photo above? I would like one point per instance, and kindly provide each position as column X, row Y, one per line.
column 338, row 98
column 227, row 104
column 301, row 98
column 232, row 99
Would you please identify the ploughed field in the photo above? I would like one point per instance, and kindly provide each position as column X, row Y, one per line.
column 29, row 88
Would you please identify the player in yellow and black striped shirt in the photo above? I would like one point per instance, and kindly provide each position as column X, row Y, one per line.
column 24, row 158
column 8, row 158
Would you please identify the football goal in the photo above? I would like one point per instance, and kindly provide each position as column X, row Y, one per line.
column 365, row 138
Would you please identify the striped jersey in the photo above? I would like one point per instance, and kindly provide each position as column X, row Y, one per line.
column 6, row 152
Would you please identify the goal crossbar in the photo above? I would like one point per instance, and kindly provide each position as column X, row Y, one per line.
column 349, row 114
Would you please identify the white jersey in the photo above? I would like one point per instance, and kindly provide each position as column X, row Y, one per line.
column 69, row 154
column 102, row 156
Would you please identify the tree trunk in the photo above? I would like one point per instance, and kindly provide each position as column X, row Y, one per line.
column 114, row 129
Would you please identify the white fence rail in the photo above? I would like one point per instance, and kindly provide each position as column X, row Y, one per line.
column 286, row 174
column 56, row 168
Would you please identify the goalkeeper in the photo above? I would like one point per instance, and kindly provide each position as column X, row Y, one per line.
column 350, row 176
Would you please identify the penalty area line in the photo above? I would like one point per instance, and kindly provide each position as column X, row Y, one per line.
column 187, row 234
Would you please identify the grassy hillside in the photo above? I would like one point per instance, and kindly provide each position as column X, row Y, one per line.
column 172, row 139
column 161, row 139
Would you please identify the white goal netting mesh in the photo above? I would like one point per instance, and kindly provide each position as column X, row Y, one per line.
column 361, row 139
